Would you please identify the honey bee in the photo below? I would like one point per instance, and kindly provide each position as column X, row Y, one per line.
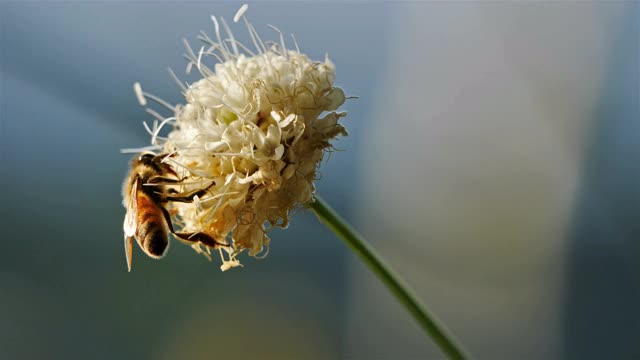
column 145, row 192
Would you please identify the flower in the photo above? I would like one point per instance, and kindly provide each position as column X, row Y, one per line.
column 251, row 135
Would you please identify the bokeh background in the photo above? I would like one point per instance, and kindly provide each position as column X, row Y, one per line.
column 494, row 159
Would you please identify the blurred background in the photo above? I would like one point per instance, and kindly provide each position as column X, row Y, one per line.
column 493, row 160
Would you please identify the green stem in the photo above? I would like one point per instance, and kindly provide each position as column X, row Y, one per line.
column 419, row 311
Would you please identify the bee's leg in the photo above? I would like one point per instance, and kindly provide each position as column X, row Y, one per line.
column 188, row 197
column 160, row 179
column 192, row 237
column 167, row 218
column 182, row 198
column 201, row 238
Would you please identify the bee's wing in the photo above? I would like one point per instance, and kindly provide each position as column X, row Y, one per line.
column 128, row 250
column 129, row 226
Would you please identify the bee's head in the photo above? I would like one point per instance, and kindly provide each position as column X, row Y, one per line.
column 145, row 164
column 148, row 164
column 150, row 159
column 146, row 158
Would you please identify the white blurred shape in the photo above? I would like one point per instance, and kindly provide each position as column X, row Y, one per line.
column 470, row 172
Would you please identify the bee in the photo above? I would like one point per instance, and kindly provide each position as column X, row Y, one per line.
column 145, row 192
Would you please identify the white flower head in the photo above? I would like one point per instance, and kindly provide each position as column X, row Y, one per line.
column 251, row 133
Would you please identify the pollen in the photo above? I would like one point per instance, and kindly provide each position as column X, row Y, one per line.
column 250, row 133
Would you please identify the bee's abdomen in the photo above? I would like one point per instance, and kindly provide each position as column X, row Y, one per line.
column 152, row 232
column 154, row 239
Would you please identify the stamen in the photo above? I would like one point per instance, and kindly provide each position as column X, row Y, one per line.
column 243, row 47
column 192, row 171
column 177, row 80
column 146, row 127
column 220, row 42
column 154, row 114
column 295, row 43
column 196, row 202
column 264, row 49
column 276, row 116
column 221, row 198
column 159, row 101
column 240, row 12
column 159, row 127
column 253, row 38
column 200, row 58
column 189, row 55
column 198, row 249
column 231, row 37
column 282, row 44
column 137, row 88
column 210, row 52
column 140, row 149
column 228, row 264
column 218, row 196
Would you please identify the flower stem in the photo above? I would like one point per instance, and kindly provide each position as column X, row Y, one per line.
column 419, row 311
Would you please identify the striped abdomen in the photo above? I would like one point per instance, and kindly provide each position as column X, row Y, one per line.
column 152, row 231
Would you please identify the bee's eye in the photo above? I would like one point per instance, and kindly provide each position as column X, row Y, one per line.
column 146, row 157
